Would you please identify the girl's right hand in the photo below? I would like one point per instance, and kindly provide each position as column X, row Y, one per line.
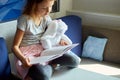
column 26, row 63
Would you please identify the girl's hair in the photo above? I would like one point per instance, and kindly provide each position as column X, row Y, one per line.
column 31, row 7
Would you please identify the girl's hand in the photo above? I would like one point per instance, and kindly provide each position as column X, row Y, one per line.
column 26, row 63
column 63, row 42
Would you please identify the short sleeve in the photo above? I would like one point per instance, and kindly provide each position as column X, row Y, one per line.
column 22, row 23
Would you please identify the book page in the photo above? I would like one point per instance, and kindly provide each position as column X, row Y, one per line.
column 50, row 54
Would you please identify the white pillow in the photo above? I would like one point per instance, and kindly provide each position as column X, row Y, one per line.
column 94, row 47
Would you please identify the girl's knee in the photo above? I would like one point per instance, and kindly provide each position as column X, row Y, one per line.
column 78, row 60
column 75, row 60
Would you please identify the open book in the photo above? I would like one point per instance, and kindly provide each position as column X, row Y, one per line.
column 52, row 53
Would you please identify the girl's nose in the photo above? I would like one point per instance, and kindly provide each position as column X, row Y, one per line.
column 48, row 9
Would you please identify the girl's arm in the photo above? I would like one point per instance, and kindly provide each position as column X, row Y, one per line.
column 17, row 40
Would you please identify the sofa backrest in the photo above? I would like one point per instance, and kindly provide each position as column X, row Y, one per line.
column 112, row 49
column 74, row 31
column 7, row 31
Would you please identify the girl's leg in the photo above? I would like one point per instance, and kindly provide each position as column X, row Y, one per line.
column 40, row 72
column 69, row 59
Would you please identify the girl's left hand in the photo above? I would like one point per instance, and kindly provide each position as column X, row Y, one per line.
column 26, row 63
column 63, row 42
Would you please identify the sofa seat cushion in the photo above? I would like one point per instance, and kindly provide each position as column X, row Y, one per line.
column 106, row 68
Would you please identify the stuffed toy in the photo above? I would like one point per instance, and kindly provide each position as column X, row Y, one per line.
column 54, row 33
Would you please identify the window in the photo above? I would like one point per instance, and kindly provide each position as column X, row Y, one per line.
column 56, row 6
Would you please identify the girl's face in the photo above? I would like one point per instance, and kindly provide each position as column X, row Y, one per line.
column 45, row 7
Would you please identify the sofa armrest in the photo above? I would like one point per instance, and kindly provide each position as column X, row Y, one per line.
column 5, row 68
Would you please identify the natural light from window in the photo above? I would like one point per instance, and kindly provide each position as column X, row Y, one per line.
column 102, row 69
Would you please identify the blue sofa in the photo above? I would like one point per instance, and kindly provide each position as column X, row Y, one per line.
column 74, row 33
column 5, row 68
column 4, row 61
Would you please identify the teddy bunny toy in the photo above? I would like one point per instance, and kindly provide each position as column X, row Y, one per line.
column 54, row 33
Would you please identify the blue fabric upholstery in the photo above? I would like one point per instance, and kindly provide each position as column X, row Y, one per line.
column 74, row 31
column 5, row 69
column 4, row 61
